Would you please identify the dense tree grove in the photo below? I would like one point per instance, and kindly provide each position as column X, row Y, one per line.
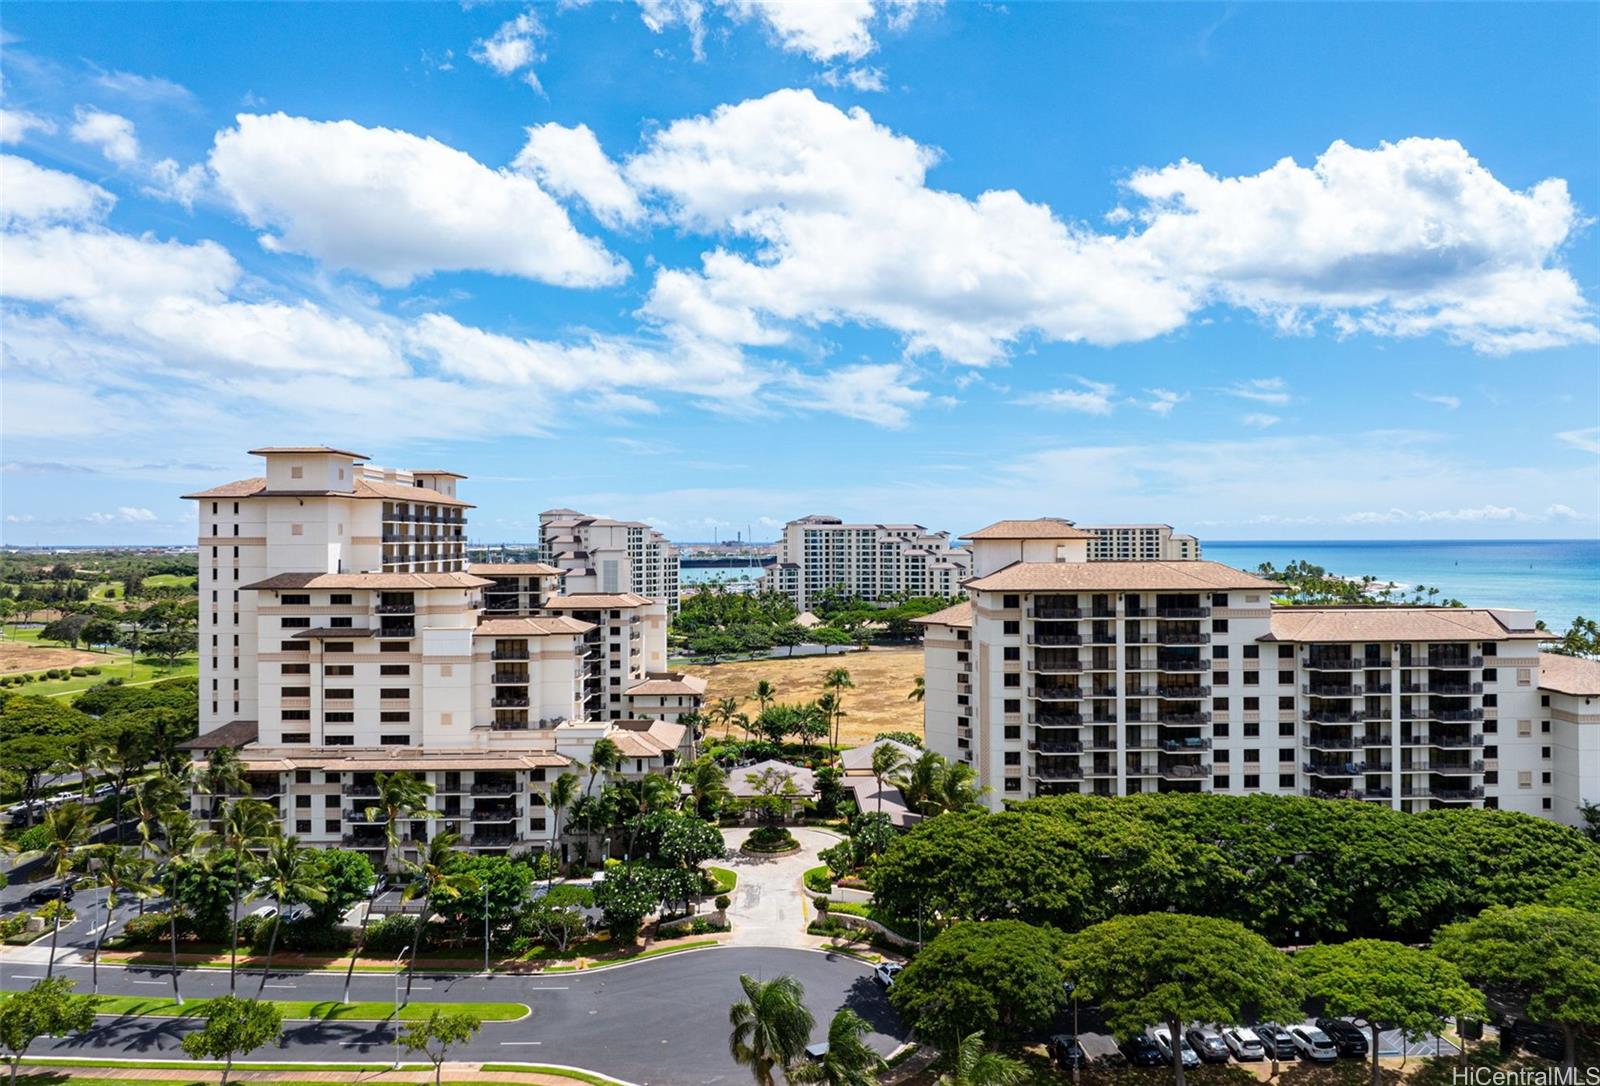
column 1002, row 977
column 1296, row 870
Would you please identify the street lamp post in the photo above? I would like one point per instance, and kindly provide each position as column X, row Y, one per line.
column 486, row 929
column 1072, row 990
column 403, row 952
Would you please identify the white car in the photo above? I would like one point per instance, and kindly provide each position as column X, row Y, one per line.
column 264, row 913
column 886, row 973
column 1163, row 1040
column 1314, row 1044
column 1243, row 1043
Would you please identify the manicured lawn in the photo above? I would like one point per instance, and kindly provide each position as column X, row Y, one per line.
column 725, row 879
column 819, row 879
column 325, row 1010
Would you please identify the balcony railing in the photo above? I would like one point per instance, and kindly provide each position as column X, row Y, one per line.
column 1317, row 716
column 1335, row 769
column 1182, row 639
column 1182, row 720
column 1181, row 772
column 397, row 630
column 1182, row 612
column 1055, row 612
column 1183, row 693
column 367, row 790
column 1054, row 639
column 510, row 677
column 494, row 788
column 509, row 654
column 1329, row 741
column 1185, row 746
column 1055, row 667
column 1353, row 691
column 395, row 608
column 1454, row 715
column 1451, row 661
column 1055, row 693
column 1056, row 773
column 1048, row 747
column 1168, row 664
column 1339, row 793
column 509, row 701
column 1055, row 720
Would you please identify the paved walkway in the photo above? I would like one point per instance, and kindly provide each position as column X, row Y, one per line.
column 453, row 1072
column 770, row 904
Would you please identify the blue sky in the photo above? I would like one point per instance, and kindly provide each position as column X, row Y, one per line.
column 1261, row 271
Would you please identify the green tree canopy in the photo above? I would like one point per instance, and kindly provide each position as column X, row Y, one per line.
column 1545, row 958
column 1174, row 968
column 48, row 1008
column 1001, row 977
column 771, row 1026
column 233, row 1027
column 1388, row 986
column 436, row 1034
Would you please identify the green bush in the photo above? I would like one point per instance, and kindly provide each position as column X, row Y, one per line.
column 114, row 682
column 79, row 672
column 723, row 901
column 818, row 880
column 48, row 913
column 567, row 895
column 32, row 839
column 93, row 669
column 53, row 673
column 391, row 935
column 153, row 928
column 770, row 839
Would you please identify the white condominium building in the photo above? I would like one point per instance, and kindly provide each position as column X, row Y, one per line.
column 1140, row 543
column 1059, row 674
column 872, row 561
column 610, row 556
column 342, row 635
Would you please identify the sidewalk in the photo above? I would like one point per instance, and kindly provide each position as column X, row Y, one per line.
column 453, row 1072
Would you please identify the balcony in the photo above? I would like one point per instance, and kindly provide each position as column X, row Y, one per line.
column 1180, row 772
column 509, row 726
column 1168, row 664
column 1055, row 613
column 1055, row 667
column 1329, row 741
column 1055, row 720
column 1045, row 747
column 396, row 630
column 492, row 840
column 509, row 701
column 1183, row 693
column 1185, row 746
column 1338, row 793
column 514, row 678
column 1455, row 689
column 1449, row 795
column 369, row 791
column 1321, row 716
column 1054, row 639
column 1335, row 769
column 1182, row 612
column 1183, row 639
column 494, row 812
column 509, row 654
column 1332, row 663
column 1183, row 720
column 395, row 608
column 1455, row 742
column 357, row 816
column 1451, row 661
column 1451, row 716
column 1318, row 691
column 1055, row 693
column 494, row 788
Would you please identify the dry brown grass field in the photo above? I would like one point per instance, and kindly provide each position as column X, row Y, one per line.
column 26, row 656
column 883, row 678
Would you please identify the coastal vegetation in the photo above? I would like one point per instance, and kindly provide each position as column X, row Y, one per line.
column 1309, row 585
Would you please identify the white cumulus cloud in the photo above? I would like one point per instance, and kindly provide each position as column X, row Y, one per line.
column 513, row 48
column 17, row 123
column 569, row 162
column 34, row 194
column 394, row 206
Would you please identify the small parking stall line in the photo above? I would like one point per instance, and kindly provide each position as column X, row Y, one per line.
column 28, row 976
column 160, row 982
column 522, row 1042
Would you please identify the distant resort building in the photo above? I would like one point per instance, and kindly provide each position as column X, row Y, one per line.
column 1059, row 674
column 609, row 556
column 1140, row 542
column 870, row 561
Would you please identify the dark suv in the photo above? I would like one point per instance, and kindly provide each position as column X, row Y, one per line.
column 1141, row 1051
column 1066, row 1053
column 1351, row 1038
column 1276, row 1042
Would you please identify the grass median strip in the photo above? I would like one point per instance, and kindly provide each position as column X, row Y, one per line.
column 328, row 1010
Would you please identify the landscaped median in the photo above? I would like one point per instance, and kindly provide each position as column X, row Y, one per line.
column 306, row 1010
column 48, row 1071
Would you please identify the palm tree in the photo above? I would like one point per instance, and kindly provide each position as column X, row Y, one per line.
column 957, row 792
column 919, row 689
column 849, row 1061
column 247, row 824
column 435, row 876
column 973, row 1065
column 290, row 875
column 887, row 761
column 563, row 790
column 722, row 712
column 85, row 755
column 120, row 870
column 744, row 724
column 771, row 1026
column 764, row 693
column 67, row 832
column 223, row 775
column 181, row 847
column 400, row 795
column 921, row 781
column 650, row 793
column 838, row 681
column 708, row 785
column 157, row 800
column 604, row 755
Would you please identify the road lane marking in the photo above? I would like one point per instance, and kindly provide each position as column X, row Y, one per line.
column 28, row 976
column 522, row 1042
column 160, row 982
column 283, row 986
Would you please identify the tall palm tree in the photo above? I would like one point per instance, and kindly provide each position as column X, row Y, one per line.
column 649, row 794
column 742, row 722
column 290, row 875
column 121, row 871
column 604, row 756
column 563, row 790
column 887, row 761
column 67, row 832
column 722, row 712
column 222, row 776
column 849, row 1061
column 707, row 784
column 974, row 1065
column 919, row 689
column 85, row 755
column 764, row 693
column 771, row 1026
column 247, row 824
column 157, row 800
column 921, row 782
column 837, row 681
column 437, row 875
column 400, row 796
column 182, row 846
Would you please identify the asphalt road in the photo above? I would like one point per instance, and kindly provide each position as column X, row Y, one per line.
column 659, row 1021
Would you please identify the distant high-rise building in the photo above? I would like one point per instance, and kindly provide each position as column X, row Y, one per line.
column 1140, row 543
column 610, row 556
column 871, row 561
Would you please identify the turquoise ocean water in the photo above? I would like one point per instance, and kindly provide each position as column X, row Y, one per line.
column 1557, row 578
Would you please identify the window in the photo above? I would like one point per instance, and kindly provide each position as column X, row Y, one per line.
column 1491, row 674
column 1219, row 652
column 1220, row 756
column 1285, row 780
column 1524, row 728
column 1219, row 705
column 1220, row 729
column 1252, row 781
column 1252, row 678
column 1285, row 728
column 1219, row 625
column 339, row 718
column 1013, row 705
column 339, row 740
column 1252, row 652
column 1220, row 782
column 1013, row 757
column 1012, row 652
column 294, row 691
column 302, row 803
column 302, row 825
column 395, row 646
column 1219, row 678
column 1286, row 652
column 340, row 599
column 1011, row 627
column 1012, row 679
column 339, row 693
column 1285, row 678
column 1252, row 705
column 1251, row 729
column 291, row 599
column 394, row 669
column 296, row 669
column 395, row 740
column 1013, row 731
column 296, row 737
column 1013, row 784
column 338, row 669
column 339, row 646
column 330, row 801
column 394, row 692
column 1544, row 701
column 1544, row 752
column 295, row 714
column 1252, row 754
column 333, row 825
column 1010, row 601
column 1544, row 778
column 341, row 622
column 297, row 473
column 394, row 717
column 296, row 623
column 1286, row 702
column 1285, row 754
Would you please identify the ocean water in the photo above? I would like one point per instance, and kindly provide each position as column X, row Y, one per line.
column 1557, row 578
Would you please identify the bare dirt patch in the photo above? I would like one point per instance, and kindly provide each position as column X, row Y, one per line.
column 883, row 678
column 20, row 656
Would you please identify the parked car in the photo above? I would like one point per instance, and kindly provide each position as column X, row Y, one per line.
column 264, row 913
column 1276, row 1042
column 294, row 914
column 46, row 894
column 1313, row 1044
column 886, row 973
column 1189, row 1056
column 1207, row 1043
column 1243, row 1043
column 1533, row 1038
column 1141, row 1051
column 1351, row 1038
column 1066, row 1052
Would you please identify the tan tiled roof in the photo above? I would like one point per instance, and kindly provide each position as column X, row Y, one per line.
column 331, row 633
column 398, row 582
column 1038, row 528
column 235, row 733
column 646, row 738
column 514, row 569
column 256, row 487
column 959, row 614
column 270, row 450
column 1378, row 623
column 530, row 627
column 389, row 759
column 670, row 683
column 1569, row 674
column 1194, row 576
column 242, row 488
column 595, row 601
column 739, row 783
column 859, row 759
column 437, row 471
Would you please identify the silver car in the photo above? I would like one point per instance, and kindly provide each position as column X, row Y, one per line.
column 1244, row 1044
column 1164, row 1041
column 1314, row 1044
